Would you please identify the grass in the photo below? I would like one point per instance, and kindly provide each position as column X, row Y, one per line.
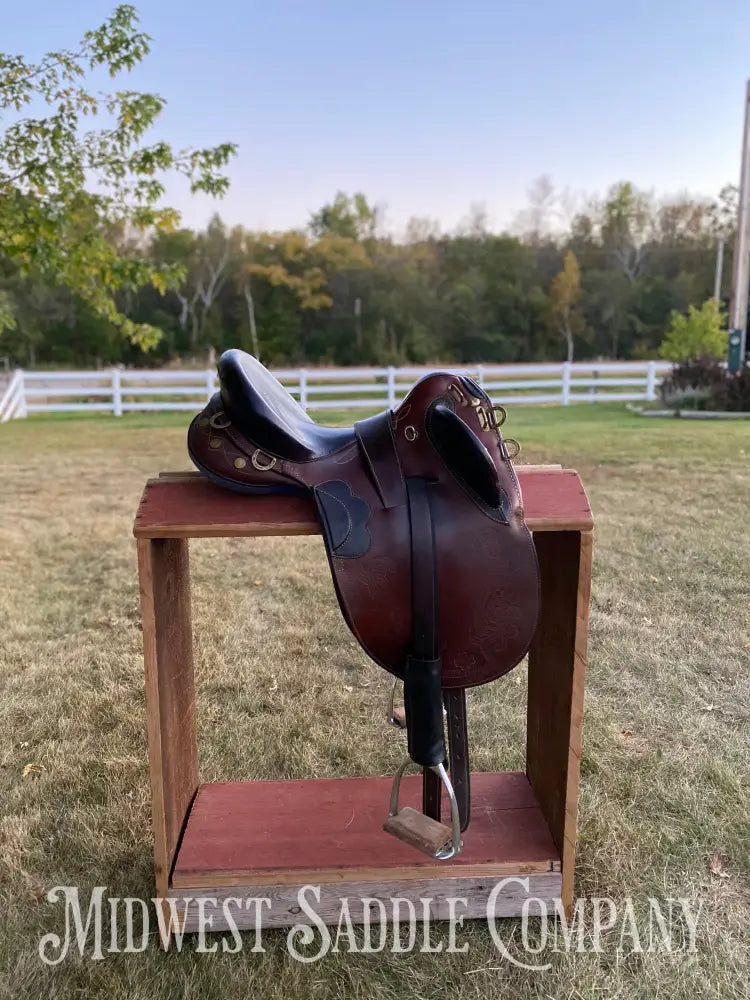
column 665, row 800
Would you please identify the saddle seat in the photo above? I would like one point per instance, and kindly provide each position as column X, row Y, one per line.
column 262, row 409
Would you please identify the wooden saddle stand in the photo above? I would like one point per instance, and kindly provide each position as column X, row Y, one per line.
column 424, row 503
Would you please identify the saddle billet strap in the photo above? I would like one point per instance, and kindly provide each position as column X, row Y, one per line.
column 458, row 756
column 432, row 794
column 458, row 750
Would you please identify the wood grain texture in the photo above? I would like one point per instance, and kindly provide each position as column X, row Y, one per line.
column 185, row 505
column 557, row 668
column 285, row 910
column 164, row 579
column 331, row 830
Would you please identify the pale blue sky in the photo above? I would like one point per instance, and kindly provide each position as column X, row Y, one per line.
column 427, row 106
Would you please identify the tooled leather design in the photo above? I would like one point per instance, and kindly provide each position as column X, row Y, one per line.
column 486, row 643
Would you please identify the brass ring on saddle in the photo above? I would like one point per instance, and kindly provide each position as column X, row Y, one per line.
column 498, row 408
column 260, row 466
column 411, row 433
column 512, row 447
column 451, row 849
column 219, row 421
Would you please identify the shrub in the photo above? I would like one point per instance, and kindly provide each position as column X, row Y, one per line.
column 732, row 393
column 705, row 384
column 699, row 334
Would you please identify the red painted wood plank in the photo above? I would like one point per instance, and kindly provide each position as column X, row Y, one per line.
column 192, row 507
column 336, row 824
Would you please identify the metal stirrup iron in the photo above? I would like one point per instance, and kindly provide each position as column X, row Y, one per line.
column 423, row 832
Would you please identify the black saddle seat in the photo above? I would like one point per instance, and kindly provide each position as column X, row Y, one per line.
column 262, row 409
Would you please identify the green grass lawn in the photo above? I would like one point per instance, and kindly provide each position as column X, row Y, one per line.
column 285, row 692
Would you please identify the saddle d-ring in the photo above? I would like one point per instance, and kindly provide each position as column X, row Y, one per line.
column 451, row 848
column 500, row 414
column 512, row 447
column 219, row 421
column 258, row 464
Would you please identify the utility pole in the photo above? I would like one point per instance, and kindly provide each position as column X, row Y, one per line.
column 719, row 270
column 740, row 277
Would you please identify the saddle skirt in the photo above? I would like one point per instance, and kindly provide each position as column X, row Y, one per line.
column 254, row 437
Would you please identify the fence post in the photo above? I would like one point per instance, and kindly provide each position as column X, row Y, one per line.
column 566, row 383
column 303, row 389
column 391, row 387
column 651, row 381
column 209, row 383
column 595, row 386
column 22, row 412
column 480, row 376
column 116, row 393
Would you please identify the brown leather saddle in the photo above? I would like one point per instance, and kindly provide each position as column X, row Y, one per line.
column 434, row 568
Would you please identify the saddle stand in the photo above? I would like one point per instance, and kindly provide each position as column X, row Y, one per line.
column 272, row 838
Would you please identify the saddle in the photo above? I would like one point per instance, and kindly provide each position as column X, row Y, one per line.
column 434, row 568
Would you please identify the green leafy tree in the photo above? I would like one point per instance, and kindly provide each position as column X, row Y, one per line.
column 565, row 297
column 349, row 217
column 66, row 189
column 699, row 334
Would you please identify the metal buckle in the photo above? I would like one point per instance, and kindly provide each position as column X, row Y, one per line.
column 451, row 850
column 456, row 392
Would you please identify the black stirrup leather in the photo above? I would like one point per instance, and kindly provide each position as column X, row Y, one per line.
column 434, row 568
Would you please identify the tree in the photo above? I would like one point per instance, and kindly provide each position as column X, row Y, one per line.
column 565, row 296
column 627, row 219
column 700, row 334
column 349, row 217
column 64, row 189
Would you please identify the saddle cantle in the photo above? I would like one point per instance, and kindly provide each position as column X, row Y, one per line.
column 434, row 568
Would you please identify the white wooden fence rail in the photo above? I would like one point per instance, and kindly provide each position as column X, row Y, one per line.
column 123, row 390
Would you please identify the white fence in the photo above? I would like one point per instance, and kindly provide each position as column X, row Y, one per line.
column 122, row 390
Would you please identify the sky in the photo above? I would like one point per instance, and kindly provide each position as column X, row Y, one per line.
column 428, row 106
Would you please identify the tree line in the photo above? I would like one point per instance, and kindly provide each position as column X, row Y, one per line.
column 343, row 291
column 95, row 270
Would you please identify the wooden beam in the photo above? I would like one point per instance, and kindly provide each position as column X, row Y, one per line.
column 557, row 670
column 164, row 578
column 183, row 505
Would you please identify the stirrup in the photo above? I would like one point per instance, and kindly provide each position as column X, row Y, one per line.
column 426, row 834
